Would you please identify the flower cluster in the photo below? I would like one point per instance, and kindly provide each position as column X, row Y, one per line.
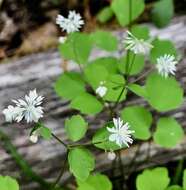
column 120, row 133
column 138, row 46
column 28, row 108
column 70, row 24
column 166, row 65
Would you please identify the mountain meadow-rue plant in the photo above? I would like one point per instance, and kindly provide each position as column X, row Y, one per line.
column 146, row 68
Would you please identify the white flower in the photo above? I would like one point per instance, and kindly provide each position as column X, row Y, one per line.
column 62, row 39
column 166, row 65
column 101, row 90
column 111, row 155
column 120, row 133
column 11, row 113
column 138, row 46
column 71, row 24
column 29, row 108
column 34, row 137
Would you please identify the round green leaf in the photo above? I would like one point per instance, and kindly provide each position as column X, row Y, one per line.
column 160, row 48
column 155, row 179
column 105, row 14
column 137, row 66
column 104, row 40
column 139, row 120
column 77, row 47
column 140, row 32
column 110, row 64
column 75, row 127
column 8, row 183
column 95, row 182
column 45, row 132
column 121, row 10
column 164, row 94
column 115, row 84
column 162, row 12
column 94, row 74
column 81, row 162
column 87, row 104
column 168, row 132
column 174, row 187
column 101, row 139
column 138, row 90
column 69, row 85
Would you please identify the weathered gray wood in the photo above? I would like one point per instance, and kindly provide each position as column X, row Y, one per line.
column 40, row 71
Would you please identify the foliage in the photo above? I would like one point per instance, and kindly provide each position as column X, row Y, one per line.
column 156, row 179
column 103, row 86
column 8, row 183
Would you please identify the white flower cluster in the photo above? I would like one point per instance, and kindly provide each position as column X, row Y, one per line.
column 101, row 89
column 28, row 108
column 120, row 133
column 166, row 65
column 138, row 46
column 70, row 24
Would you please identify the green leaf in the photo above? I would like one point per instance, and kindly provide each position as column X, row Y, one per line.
column 105, row 40
column 137, row 66
column 105, row 14
column 174, row 187
column 121, row 9
column 155, row 179
column 101, row 139
column 161, row 47
column 162, row 12
column 168, row 132
column 94, row 74
column 138, row 90
column 69, row 85
column 82, row 47
column 45, row 133
column 8, row 183
column 110, row 64
column 75, row 127
column 77, row 47
column 81, row 162
column 95, row 182
column 140, row 32
column 115, row 84
column 87, row 104
column 164, row 94
column 139, row 120
column 184, row 179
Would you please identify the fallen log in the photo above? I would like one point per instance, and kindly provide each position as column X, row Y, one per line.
column 40, row 71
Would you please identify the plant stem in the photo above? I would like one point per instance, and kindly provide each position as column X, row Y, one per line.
column 86, row 144
column 143, row 75
column 59, row 140
column 62, row 170
column 178, row 172
column 76, row 56
column 25, row 167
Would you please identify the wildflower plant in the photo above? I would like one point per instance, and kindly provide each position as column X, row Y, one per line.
column 146, row 69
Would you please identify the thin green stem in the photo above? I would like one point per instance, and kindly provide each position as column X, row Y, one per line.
column 59, row 140
column 143, row 75
column 76, row 56
column 178, row 172
column 87, row 143
column 62, row 171
column 25, row 167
